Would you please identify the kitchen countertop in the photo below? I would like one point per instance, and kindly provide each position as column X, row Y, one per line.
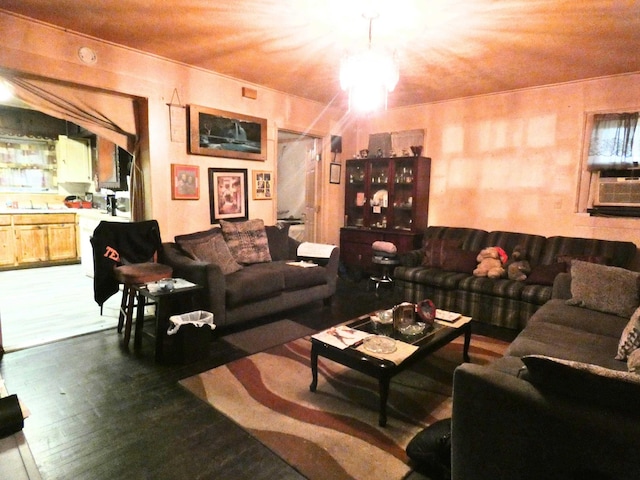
column 84, row 212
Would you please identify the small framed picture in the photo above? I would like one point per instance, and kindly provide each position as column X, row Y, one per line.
column 335, row 171
column 185, row 182
column 262, row 185
column 228, row 195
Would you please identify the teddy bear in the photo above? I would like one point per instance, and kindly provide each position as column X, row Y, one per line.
column 518, row 267
column 490, row 261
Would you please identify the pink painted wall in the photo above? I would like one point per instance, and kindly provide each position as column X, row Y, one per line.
column 513, row 161
column 42, row 50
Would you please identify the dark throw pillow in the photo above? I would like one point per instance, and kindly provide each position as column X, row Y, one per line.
column 458, row 260
column 545, row 274
column 209, row 247
column 434, row 251
column 278, row 237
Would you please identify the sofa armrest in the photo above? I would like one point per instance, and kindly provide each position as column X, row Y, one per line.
column 412, row 258
column 562, row 286
column 208, row 275
column 504, row 427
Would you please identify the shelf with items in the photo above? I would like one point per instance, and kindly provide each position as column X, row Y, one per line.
column 387, row 193
column 27, row 164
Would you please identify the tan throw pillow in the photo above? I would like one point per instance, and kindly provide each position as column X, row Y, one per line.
column 633, row 361
column 603, row 288
column 247, row 241
column 211, row 249
column 630, row 339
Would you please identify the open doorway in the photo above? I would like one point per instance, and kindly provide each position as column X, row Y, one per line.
column 297, row 165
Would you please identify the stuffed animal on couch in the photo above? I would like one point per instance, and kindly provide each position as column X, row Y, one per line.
column 518, row 267
column 490, row 263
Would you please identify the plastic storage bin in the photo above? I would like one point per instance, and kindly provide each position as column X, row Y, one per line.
column 190, row 335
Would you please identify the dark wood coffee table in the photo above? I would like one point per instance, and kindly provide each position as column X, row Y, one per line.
column 383, row 369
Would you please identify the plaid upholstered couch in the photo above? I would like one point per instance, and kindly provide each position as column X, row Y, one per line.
column 448, row 280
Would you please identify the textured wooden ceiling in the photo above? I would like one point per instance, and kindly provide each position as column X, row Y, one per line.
column 446, row 48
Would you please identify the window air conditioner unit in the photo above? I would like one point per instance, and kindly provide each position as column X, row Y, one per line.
column 618, row 192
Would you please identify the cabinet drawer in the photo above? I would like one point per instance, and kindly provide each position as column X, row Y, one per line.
column 5, row 220
column 44, row 218
column 359, row 236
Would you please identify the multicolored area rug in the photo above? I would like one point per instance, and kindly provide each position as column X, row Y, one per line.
column 334, row 433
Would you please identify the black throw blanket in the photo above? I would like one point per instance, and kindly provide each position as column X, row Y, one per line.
column 117, row 244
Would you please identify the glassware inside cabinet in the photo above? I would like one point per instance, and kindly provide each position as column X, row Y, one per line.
column 355, row 194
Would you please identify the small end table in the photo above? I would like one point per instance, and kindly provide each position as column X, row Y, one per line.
column 163, row 301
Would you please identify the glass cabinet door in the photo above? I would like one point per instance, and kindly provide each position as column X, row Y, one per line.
column 379, row 191
column 355, row 194
column 403, row 193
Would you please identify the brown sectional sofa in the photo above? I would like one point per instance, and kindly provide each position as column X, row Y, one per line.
column 558, row 405
column 501, row 302
column 236, row 295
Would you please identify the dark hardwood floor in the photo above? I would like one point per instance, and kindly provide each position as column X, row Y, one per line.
column 99, row 411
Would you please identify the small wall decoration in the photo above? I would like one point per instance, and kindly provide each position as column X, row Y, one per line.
column 228, row 194
column 224, row 134
column 335, row 172
column 185, row 182
column 262, row 185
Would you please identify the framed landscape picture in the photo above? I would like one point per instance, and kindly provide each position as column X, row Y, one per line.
column 185, row 182
column 262, row 185
column 228, row 194
column 225, row 134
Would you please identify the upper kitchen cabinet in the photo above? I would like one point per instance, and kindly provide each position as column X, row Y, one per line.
column 27, row 165
column 74, row 159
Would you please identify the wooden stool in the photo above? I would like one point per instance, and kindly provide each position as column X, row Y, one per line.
column 386, row 264
column 130, row 275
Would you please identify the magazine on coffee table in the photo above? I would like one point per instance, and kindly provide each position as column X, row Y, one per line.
column 341, row 336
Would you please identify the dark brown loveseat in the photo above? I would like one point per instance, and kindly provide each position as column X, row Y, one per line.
column 237, row 292
column 449, row 282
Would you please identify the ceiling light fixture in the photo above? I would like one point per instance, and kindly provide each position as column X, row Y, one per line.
column 369, row 76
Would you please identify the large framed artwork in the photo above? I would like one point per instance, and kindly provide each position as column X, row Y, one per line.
column 225, row 134
column 185, row 182
column 228, row 194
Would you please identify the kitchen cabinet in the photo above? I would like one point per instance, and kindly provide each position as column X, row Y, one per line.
column 40, row 239
column 7, row 249
column 74, row 159
column 386, row 199
column 27, row 164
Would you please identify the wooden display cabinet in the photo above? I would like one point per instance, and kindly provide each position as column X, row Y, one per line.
column 386, row 199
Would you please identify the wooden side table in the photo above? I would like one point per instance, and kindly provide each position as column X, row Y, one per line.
column 164, row 301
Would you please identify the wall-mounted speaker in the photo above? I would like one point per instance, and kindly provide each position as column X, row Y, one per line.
column 336, row 144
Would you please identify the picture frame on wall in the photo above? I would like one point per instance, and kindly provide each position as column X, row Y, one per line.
column 228, row 197
column 185, row 182
column 262, row 185
column 218, row 133
column 335, row 172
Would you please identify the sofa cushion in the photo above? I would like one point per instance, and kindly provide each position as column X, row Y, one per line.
column 630, row 339
column 493, row 286
column 209, row 247
column 458, row 260
column 255, row 282
column 434, row 251
column 433, row 277
column 584, row 382
column 607, row 289
column 247, row 241
column 296, row 278
column 278, row 239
